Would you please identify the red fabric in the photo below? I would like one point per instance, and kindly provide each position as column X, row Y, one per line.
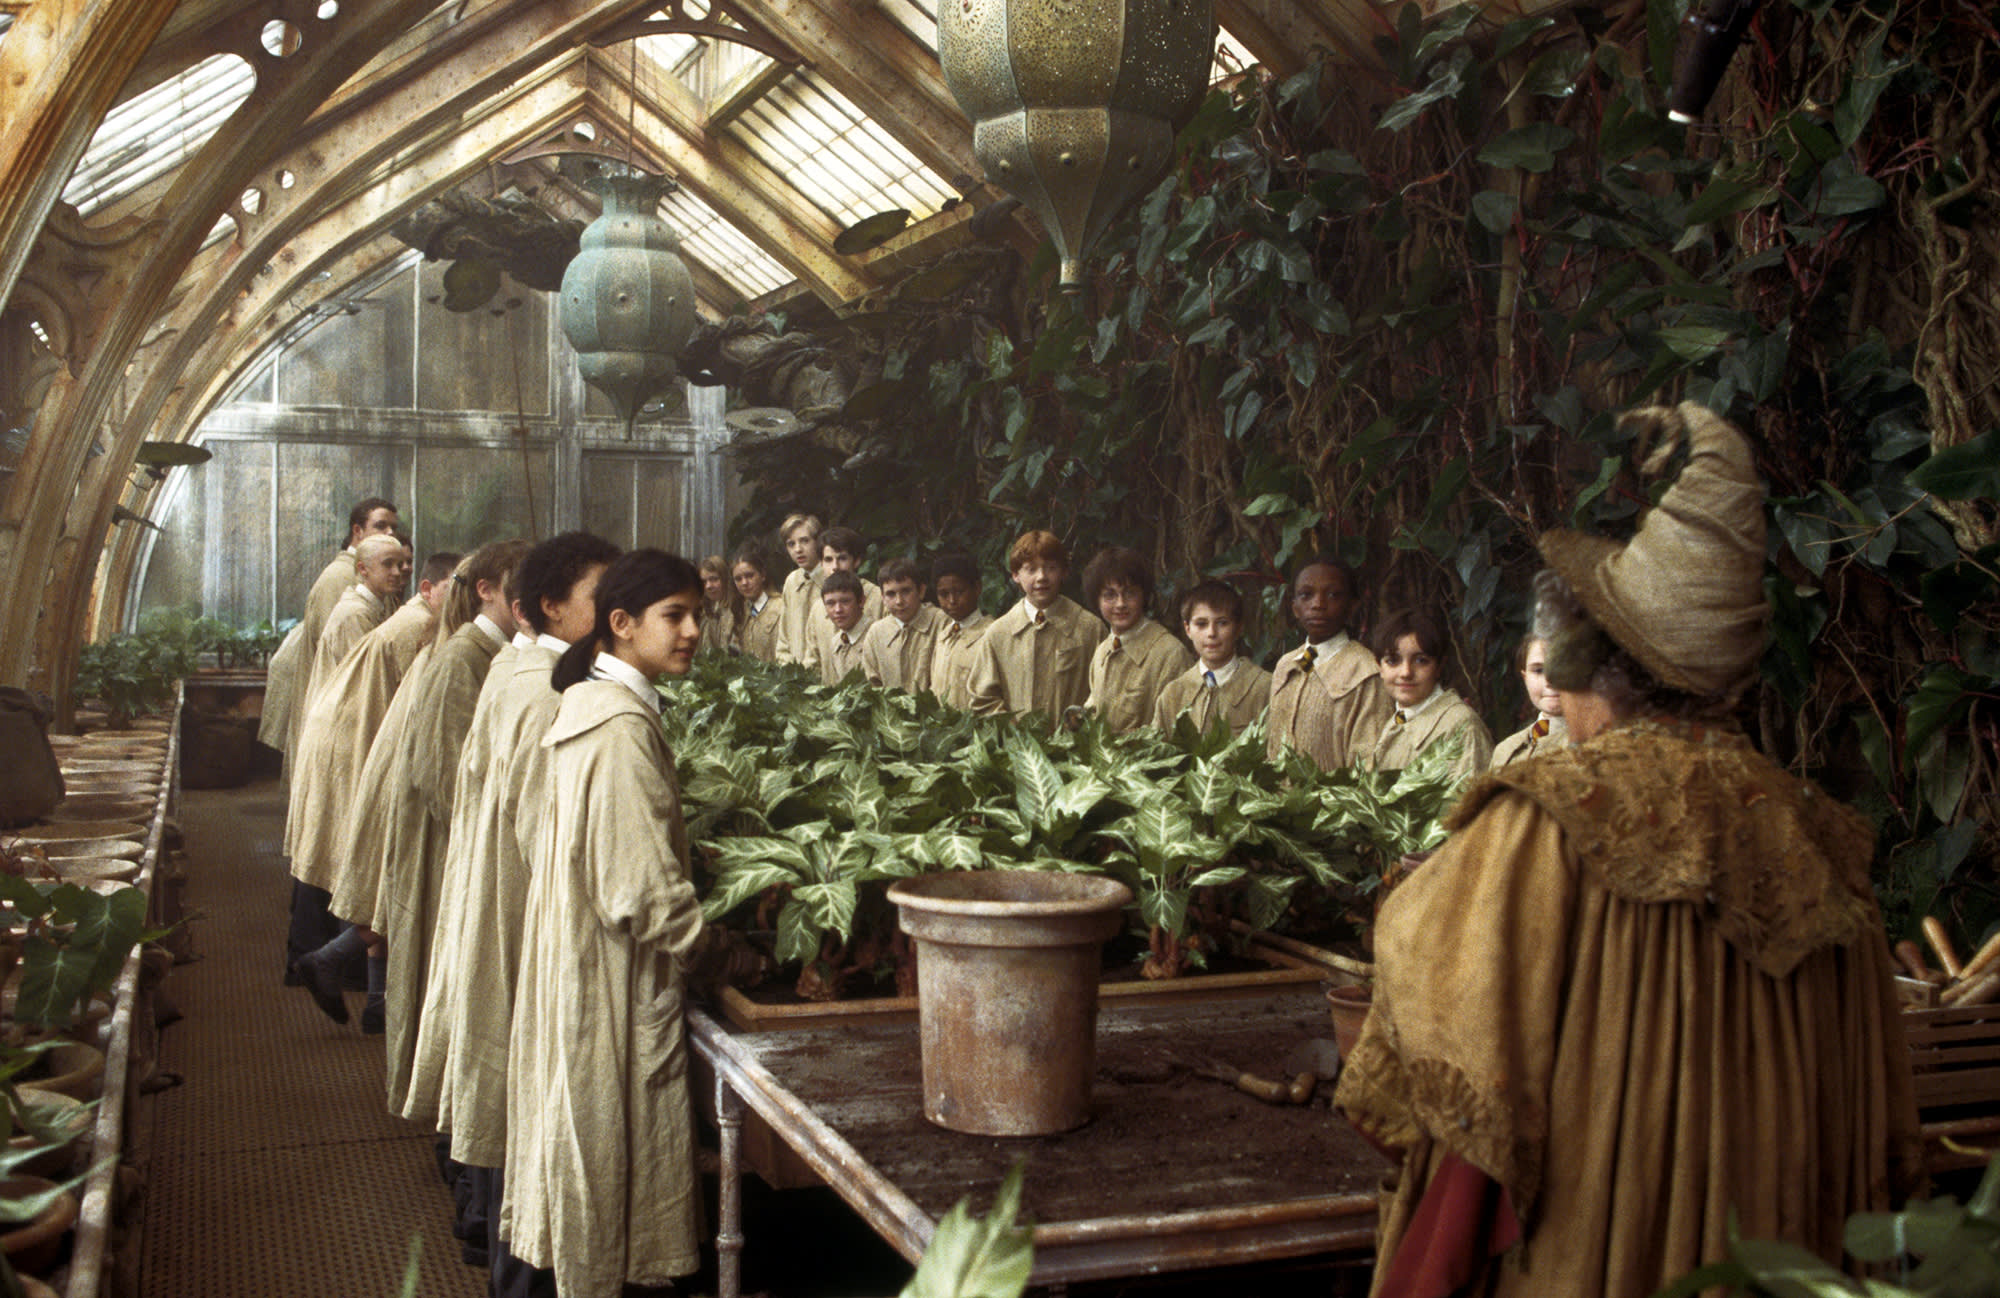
column 1464, row 1219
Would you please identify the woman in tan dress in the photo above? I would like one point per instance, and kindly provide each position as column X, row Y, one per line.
column 763, row 607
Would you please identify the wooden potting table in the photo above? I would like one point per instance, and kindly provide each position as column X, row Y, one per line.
column 1174, row 1171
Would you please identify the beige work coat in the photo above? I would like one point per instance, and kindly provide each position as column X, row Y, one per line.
column 760, row 633
column 482, row 939
column 797, row 643
column 1448, row 714
column 840, row 652
column 1018, row 667
column 377, row 815
column 951, row 660
column 1127, row 673
column 1522, row 744
column 1645, row 988
column 718, row 630
column 601, row 1182
column 290, row 669
column 411, row 870
column 340, row 724
column 898, row 655
column 430, row 1052
column 1335, row 712
column 1239, row 701
column 819, row 626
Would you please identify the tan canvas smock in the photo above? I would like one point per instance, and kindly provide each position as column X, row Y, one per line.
column 430, row 1052
column 718, row 631
column 1128, row 671
column 290, row 668
column 796, row 641
column 760, row 633
column 1334, row 712
column 1642, row 987
column 1522, row 744
column 357, row 885
column 951, row 658
column 1019, row 667
column 411, row 858
column 1445, row 714
column 601, row 1181
column 1240, row 700
column 340, row 724
column 481, row 940
column 819, row 625
column 840, row 652
column 897, row 655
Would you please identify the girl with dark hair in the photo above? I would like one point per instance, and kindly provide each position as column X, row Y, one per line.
column 601, row 1181
column 1410, row 647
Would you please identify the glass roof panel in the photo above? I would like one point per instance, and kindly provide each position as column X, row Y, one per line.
column 919, row 19
column 152, row 133
column 723, row 248
column 849, row 168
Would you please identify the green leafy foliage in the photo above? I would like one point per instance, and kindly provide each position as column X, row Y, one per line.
column 984, row 1257
column 808, row 799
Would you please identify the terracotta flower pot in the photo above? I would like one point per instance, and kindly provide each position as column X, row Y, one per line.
column 1350, row 1007
column 69, row 1118
column 35, row 1245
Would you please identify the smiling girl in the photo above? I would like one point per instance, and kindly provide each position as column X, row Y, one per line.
column 1410, row 647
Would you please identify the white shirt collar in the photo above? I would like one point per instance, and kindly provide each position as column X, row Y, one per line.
column 1224, row 672
column 490, row 627
column 553, row 645
column 1326, row 649
column 1028, row 610
column 1137, row 627
column 374, row 600
column 1410, row 713
column 762, row 600
column 521, row 640
column 970, row 620
column 610, row 667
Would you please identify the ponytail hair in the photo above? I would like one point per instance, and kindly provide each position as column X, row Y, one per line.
column 495, row 562
column 635, row 582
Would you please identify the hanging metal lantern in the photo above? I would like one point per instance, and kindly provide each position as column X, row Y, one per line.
column 1075, row 103
column 627, row 297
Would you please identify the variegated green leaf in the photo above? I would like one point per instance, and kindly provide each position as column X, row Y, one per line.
column 1036, row 783
column 798, row 935
column 739, row 885
column 1220, row 876
column 831, row 905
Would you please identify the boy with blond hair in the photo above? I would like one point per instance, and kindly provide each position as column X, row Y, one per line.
column 897, row 649
column 1036, row 656
column 955, row 581
column 797, row 642
column 1220, row 684
column 840, row 648
column 1135, row 662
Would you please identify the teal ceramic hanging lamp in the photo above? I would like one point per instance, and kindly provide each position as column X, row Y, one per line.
column 1075, row 103
column 627, row 303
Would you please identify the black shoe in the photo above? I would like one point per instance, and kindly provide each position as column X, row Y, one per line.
column 324, row 986
column 372, row 1015
column 473, row 1255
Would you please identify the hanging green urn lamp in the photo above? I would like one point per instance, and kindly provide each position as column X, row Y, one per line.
column 627, row 298
column 1075, row 103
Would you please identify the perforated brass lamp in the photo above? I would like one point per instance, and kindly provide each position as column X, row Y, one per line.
column 627, row 298
column 1075, row 103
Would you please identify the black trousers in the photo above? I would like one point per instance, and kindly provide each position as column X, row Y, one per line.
column 510, row 1276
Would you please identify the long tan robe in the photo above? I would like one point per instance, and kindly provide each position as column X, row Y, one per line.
column 1643, row 986
column 898, row 654
column 797, row 643
column 951, row 661
column 718, row 631
column 760, row 633
column 340, row 724
column 380, row 814
column 1240, row 700
column 482, row 938
column 430, row 1052
column 840, row 651
column 1017, row 667
column 601, row 1181
column 1448, row 714
column 1522, row 744
column 1332, row 714
column 410, row 863
column 290, row 668
column 1127, row 673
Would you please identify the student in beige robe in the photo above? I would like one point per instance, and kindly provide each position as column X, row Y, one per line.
column 1410, row 647
column 896, row 652
column 840, row 651
column 1036, row 656
column 843, row 550
column 722, row 611
column 1221, row 684
column 1641, row 1002
column 1548, row 732
column 333, row 749
column 290, row 668
column 459, row 1072
column 797, row 642
column 382, row 567
column 601, row 1184
column 763, row 609
column 1327, row 698
column 955, row 581
column 1136, row 660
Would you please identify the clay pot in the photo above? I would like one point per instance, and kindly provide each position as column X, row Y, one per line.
column 36, row 1245
column 62, row 831
column 78, row 869
column 99, row 848
column 1350, row 1010
column 1007, row 969
column 71, row 1121
column 75, row 1070
column 84, row 806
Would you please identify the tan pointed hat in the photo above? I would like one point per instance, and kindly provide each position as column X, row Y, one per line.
column 1685, row 596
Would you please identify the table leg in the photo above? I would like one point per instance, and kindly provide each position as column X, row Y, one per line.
column 729, row 1232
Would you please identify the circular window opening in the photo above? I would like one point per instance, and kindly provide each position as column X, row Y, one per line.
column 252, row 201
column 327, row 9
column 286, row 180
column 282, row 38
column 584, row 130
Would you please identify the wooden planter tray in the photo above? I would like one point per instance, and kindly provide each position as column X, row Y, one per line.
column 1288, row 972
